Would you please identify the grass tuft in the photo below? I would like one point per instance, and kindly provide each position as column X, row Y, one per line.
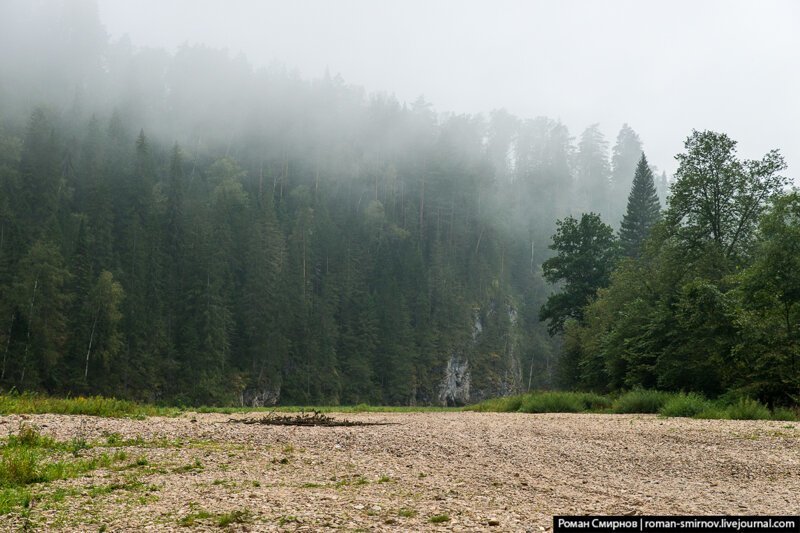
column 234, row 517
column 747, row 409
column 685, row 405
column 641, row 401
column 30, row 403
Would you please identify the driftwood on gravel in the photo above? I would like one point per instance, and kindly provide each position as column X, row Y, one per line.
column 314, row 418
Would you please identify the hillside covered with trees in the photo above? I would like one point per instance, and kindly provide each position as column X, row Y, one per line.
column 185, row 228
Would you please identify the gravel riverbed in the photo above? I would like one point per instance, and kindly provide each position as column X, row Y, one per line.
column 465, row 471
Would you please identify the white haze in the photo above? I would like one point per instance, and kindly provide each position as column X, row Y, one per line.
column 663, row 67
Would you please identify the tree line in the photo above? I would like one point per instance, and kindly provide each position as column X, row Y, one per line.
column 700, row 297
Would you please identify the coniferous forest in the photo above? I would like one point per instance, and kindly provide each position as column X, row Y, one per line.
column 184, row 228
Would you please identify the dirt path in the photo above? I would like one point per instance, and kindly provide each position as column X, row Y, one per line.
column 481, row 471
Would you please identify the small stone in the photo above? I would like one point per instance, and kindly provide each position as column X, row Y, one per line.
column 494, row 522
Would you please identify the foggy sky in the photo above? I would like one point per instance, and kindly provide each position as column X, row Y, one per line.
column 663, row 67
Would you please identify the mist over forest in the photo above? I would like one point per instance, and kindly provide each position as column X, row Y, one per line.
column 183, row 227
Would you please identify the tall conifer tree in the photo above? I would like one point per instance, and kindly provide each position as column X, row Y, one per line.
column 643, row 211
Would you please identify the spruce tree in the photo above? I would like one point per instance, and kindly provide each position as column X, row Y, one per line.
column 643, row 211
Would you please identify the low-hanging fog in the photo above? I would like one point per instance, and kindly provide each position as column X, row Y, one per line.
column 328, row 202
column 663, row 67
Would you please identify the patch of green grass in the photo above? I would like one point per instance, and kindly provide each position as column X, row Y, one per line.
column 506, row 404
column 685, row 405
column 30, row 458
column 641, row 401
column 562, row 402
column 20, row 466
column 405, row 512
column 384, row 479
column 712, row 412
column 439, row 519
column 30, row 403
column 287, row 519
column 668, row 404
column 192, row 519
column 546, row 402
column 783, row 413
column 747, row 409
column 130, row 484
column 119, row 456
column 234, row 517
column 196, row 466
column 12, row 498
column 357, row 481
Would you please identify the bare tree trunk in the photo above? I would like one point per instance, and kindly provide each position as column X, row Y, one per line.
column 532, row 246
column 304, row 267
column 8, row 345
column 530, row 374
column 89, row 349
column 28, row 337
column 480, row 236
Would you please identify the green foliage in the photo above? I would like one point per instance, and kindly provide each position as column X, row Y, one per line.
column 29, row 457
column 310, row 245
column 237, row 516
column 504, row 404
column 439, row 519
column 94, row 406
column 192, row 518
column 644, row 210
column 748, row 409
column 669, row 404
column 782, row 413
column 707, row 304
column 546, row 402
column 563, row 402
column 685, row 405
column 641, row 401
column 586, row 252
column 717, row 200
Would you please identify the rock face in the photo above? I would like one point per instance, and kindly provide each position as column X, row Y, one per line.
column 488, row 365
column 454, row 390
column 260, row 397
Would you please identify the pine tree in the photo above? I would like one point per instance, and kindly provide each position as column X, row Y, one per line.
column 643, row 211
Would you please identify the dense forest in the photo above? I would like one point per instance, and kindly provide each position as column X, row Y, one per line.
column 185, row 228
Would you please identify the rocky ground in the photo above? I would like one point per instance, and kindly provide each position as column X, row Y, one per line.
column 426, row 471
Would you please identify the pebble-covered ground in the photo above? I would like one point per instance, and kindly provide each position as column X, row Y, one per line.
column 454, row 471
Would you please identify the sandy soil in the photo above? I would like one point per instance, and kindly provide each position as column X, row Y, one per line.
column 485, row 471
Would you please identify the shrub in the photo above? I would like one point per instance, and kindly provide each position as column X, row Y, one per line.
column 553, row 402
column 712, row 413
column 687, row 405
column 747, row 409
column 92, row 405
column 782, row 413
column 641, row 401
column 506, row 404
column 19, row 466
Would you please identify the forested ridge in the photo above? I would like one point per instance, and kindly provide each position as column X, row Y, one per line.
column 184, row 228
